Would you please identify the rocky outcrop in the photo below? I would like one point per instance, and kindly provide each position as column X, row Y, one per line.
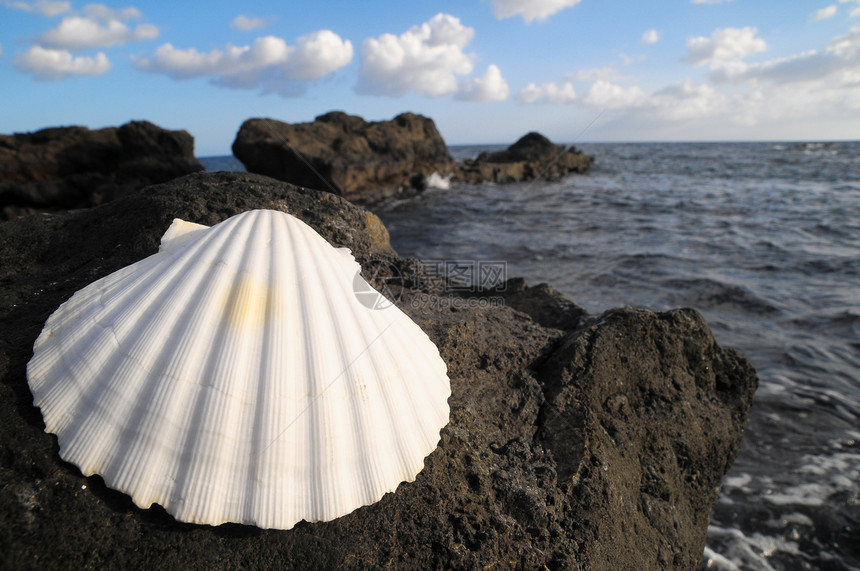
column 575, row 441
column 73, row 167
column 367, row 161
column 344, row 154
column 532, row 157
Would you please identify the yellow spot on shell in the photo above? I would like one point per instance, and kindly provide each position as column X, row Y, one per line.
column 248, row 303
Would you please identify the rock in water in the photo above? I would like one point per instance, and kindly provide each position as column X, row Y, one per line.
column 532, row 157
column 575, row 441
column 73, row 167
column 344, row 154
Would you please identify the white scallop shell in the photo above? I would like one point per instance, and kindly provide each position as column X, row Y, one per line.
column 235, row 376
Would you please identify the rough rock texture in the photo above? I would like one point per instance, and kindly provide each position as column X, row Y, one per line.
column 575, row 441
column 533, row 157
column 72, row 167
column 344, row 154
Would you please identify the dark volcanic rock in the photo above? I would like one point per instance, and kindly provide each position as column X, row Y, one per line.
column 344, row 154
column 72, row 167
column 533, row 157
column 575, row 441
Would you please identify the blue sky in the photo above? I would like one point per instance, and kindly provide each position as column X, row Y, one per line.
column 487, row 71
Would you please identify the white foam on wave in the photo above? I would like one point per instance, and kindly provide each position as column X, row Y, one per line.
column 745, row 551
column 436, row 180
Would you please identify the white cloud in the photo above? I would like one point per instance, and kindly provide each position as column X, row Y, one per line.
column 651, row 37
column 49, row 64
column 549, row 93
column 816, row 91
column 856, row 11
column 426, row 58
column 491, row 87
column 606, row 95
column 530, row 9
column 106, row 13
column 607, row 73
column 44, row 7
column 824, row 13
column 269, row 63
column 317, row 55
column 724, row 45
column 688, row 100
column 840, row 58
column 233, row 61
column 247, row 23
column 100, row 26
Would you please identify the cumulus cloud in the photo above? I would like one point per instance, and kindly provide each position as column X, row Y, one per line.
column 606, row 95
column 651, row 37
column 50, row 64
column 824, row 13
column 548, row 93
column 426, row 58
column 317, row 55
column 99, row 26
column 269, row 63
column 840, row 58
column 530, row 9
column 812, row 88
column 491, row 87
column 44, row 7
column 247, row 23
column 724, row 45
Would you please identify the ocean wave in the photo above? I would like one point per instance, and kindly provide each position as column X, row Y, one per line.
column 705, row 293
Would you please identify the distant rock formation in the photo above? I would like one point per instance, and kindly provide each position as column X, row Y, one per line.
column 74, row 167
column 366, row 161
column 533, row 157
column 344, row 154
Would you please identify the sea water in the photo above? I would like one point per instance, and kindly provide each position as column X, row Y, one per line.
column 764, row 240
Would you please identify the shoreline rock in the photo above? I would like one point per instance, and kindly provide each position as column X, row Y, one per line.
column 344, row 154
column 575, row 441
column 61, row 168
column 532, row 157
column 368, row 161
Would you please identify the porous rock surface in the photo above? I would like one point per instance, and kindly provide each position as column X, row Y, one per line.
column 575, row 441
column 360, row 160
column 60, row 168
column 532, row 157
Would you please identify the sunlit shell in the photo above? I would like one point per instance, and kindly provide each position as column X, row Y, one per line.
column 235, row 376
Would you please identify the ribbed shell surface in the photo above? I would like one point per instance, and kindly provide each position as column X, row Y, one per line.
column 235, row 376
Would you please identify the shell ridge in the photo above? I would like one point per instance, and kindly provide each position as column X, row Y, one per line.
column 378, row 361
column 310, row 283
column 249, row 319
column 161, row 383
column 409, row 411
column 180, row 382
column 196, row 475
column 258, row 510
column 119, row 308
column 412, row 345
column 377, row 480
column 359, row 480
